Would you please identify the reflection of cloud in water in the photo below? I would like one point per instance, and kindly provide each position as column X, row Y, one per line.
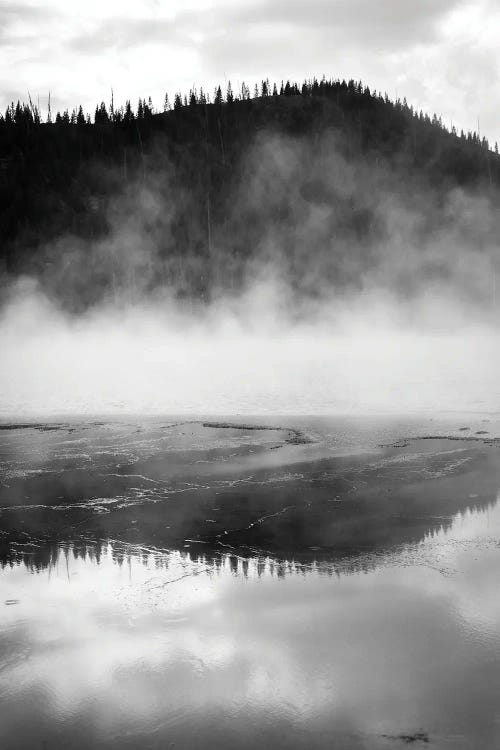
column 470, row 548
column 373, row 612
column 132, row 642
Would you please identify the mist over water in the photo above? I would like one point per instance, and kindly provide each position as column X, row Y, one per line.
column 154, row 358
column 400, row 317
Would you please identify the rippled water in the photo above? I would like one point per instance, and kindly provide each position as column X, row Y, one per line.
column 169, row 584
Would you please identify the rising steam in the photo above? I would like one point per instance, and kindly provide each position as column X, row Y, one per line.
column 381, row 298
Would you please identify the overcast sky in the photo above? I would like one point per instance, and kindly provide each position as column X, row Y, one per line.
column 441, row 54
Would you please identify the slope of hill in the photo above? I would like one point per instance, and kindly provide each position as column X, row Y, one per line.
column 327, row 186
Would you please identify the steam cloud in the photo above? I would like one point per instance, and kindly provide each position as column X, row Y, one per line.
column 359, row 293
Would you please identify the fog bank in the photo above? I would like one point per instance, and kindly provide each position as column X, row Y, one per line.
column 158, row 359
column 336, row 287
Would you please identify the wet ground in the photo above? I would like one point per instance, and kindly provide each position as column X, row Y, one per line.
column 295, row 583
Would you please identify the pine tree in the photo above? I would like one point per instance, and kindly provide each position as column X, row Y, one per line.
column 128, row 114
column 218, row 96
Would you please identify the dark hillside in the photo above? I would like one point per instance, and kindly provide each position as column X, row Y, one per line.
column 313, row 180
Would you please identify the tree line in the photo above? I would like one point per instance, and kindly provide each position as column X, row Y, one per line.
column 27, row 115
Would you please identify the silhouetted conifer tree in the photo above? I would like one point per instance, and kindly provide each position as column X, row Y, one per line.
column 218, row 96
column 128, row 115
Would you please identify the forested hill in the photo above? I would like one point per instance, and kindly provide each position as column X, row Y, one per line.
column 308, row 178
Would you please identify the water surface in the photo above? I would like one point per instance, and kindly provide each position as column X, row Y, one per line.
column 169, row 584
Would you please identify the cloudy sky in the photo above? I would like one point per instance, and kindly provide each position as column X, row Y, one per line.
column 441, row 54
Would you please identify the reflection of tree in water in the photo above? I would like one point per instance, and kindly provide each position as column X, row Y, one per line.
column 38, row 555
column 334, row 512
